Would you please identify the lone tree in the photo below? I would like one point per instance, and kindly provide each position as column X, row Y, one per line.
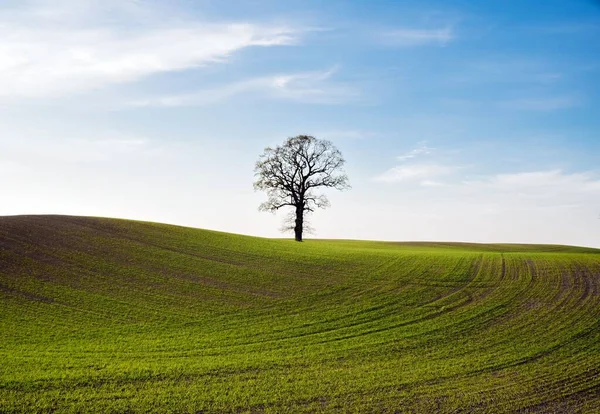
column 291, row 174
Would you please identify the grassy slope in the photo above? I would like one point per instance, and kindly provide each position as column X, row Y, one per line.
column 117, row 315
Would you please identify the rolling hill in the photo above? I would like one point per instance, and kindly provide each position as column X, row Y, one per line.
column 113, row 315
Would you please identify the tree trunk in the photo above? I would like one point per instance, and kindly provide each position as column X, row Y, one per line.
column 299, row 223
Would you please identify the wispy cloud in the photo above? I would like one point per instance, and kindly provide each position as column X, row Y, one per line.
column 346, row 134
column 539, row 183
column 108, row 147
column 414, row 170
column 407, row 37
column 314, row 87
column 419, row 151
column 80, row 147
column 529, row 196
column 510, row 70
column 47, row 52
column 511, row 197
column 423, row 174
column 567, row 28
column 546, row 104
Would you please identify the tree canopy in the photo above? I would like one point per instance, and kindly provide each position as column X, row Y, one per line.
column 292, row 173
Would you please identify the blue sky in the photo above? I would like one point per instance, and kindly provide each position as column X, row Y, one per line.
column 459, row 120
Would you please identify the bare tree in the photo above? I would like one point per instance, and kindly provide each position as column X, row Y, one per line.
column 291, row 173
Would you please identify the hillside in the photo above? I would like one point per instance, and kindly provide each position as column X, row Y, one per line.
column 114, row 315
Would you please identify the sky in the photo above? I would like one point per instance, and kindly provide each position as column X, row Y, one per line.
column 459, row 120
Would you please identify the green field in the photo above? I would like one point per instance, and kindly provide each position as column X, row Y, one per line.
column 120, row 316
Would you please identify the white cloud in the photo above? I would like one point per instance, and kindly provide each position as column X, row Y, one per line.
column 421, row 173
column 567, row 28
column 112, row 146
column 10, row 167
column 543, row 104
column 426, row 174
column 306, row 87
column 538, row 206
column 540, row 184
column 346, row 134
column 510, row 69
column 79, row 147
column 45, row 54
column 311, row 87
column 407, row 37
column 421, row 150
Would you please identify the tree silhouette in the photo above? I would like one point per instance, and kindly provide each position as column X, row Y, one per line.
column 292, row 172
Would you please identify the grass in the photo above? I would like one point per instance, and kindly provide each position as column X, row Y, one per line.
column 120, row 316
